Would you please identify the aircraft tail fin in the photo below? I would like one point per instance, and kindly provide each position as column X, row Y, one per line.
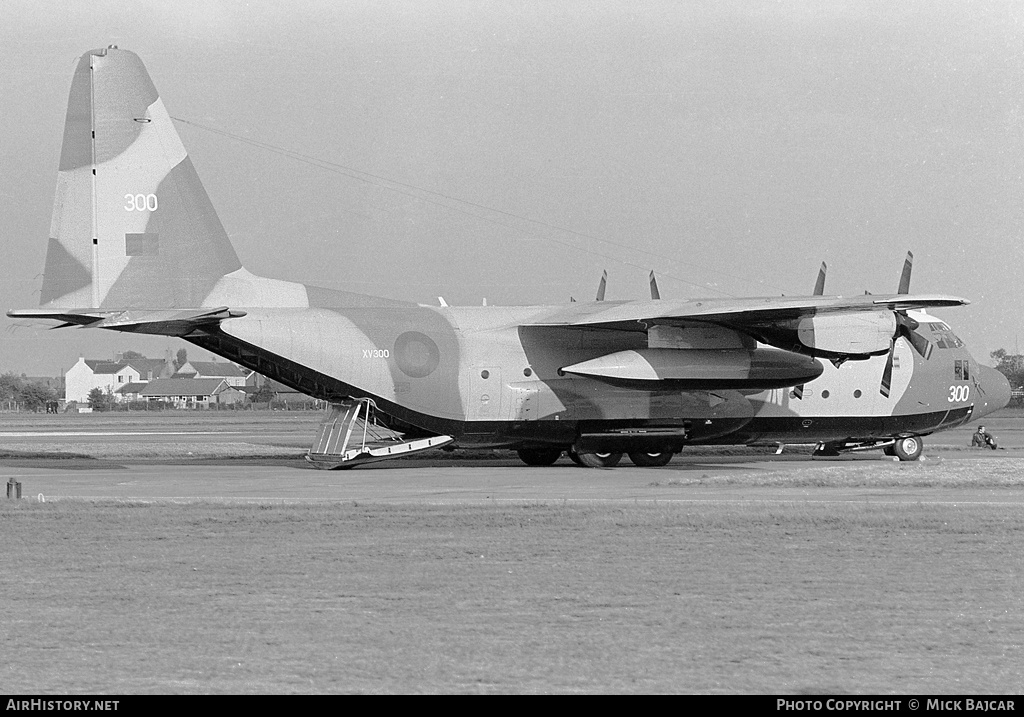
column 132, row 225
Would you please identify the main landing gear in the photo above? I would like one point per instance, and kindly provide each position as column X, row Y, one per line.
column 606, row 459
column 539, row 456
column 594, row 460
column 906, row 448
column 646, row 459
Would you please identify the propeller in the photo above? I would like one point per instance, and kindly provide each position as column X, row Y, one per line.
column 908, row 266
column 797, row 391
column 905, row 327
column 819, row 285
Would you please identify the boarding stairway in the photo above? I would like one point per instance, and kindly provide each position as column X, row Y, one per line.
column 351, row 436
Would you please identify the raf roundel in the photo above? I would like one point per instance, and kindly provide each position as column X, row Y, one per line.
column 417, row 354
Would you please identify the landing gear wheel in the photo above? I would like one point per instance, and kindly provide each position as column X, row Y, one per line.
column 908, row 448
column 890, row 450
column 600, row 460
column 539, row 456
column 649, row 460
column 574, row 456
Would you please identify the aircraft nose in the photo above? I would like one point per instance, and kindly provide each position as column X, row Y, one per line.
column 995, row 393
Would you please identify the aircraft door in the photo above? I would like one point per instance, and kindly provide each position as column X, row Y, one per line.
column 485, row 394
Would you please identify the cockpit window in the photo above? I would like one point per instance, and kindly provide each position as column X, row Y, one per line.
column 943, row 336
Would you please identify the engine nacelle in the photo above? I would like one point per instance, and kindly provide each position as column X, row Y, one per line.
column 861, row 333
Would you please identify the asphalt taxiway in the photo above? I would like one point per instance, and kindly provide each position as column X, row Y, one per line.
column 476, row 482
column 87, row 461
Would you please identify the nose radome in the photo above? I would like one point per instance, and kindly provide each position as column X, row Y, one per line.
column 995, row 392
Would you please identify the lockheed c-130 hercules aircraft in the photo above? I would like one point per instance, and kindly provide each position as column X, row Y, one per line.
column 136, row 246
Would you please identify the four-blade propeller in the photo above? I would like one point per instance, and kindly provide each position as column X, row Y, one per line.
column 905, row 327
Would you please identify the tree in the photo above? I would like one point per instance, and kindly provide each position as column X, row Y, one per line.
column 1011, row 366
column 36, row 395
column 180, row 359
column 10, row 386
column 100, row 400
column 128, row 355
column 264, row 395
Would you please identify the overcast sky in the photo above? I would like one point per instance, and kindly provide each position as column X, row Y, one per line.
column 730, row 146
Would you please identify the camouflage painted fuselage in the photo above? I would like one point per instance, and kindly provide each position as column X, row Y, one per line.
column 485, row 376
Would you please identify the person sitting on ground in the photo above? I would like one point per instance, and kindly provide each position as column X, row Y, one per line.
column 982, row 438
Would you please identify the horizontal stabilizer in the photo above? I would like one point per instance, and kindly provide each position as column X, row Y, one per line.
column 70, row 317
column 169, row 322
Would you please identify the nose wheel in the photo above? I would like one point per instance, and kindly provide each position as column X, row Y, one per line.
column 907, row 448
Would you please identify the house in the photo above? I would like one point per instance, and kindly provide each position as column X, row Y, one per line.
column 110, row 376
column 131, row 391
column 191, row 392
column 232, row 396
column 233, row 374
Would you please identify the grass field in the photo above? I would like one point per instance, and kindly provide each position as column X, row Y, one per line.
column 133, row 598
column 709, row 597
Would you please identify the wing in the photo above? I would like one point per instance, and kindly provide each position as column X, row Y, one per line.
column 828, row 326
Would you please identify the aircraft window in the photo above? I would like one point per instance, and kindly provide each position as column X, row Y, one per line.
column 943, row 336
column 527, row 371
column 857, row 394
column 962, row 370
column 485, row 374
column 825, row 393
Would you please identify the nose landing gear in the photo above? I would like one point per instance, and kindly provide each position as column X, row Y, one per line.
column 906, row 448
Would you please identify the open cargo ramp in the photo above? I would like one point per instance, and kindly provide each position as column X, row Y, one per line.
column 351, row 436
